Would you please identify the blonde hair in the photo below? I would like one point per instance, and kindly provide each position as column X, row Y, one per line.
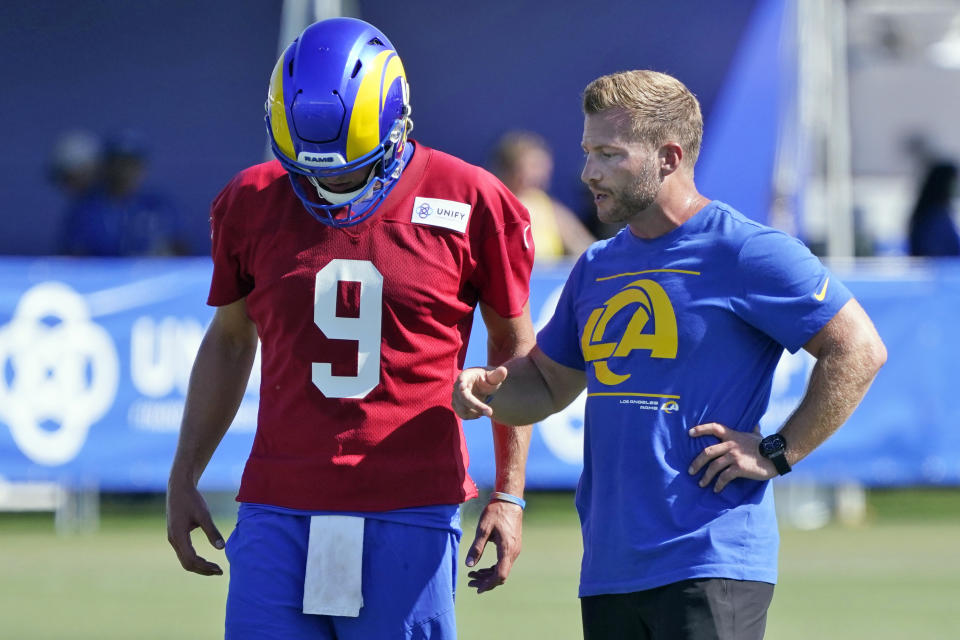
column 511, row 146
column 660, row 107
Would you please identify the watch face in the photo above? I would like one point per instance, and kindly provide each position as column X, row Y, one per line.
column 772, row 444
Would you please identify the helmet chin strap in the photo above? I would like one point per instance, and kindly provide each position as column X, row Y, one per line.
column 336, row 198
column 339, row 198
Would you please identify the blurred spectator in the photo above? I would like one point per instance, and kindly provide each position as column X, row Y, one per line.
column 864, row 243
column 119, row 216
column 75, row 163
column 933, row 231
column 523, row 162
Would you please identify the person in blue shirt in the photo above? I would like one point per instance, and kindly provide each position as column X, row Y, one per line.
column 120, row 216
column 932, row 231
column 674, row 326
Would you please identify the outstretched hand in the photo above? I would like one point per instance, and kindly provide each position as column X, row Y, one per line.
column 502, row 524
column 187, row 510
column 737, row 455
column 473, row 387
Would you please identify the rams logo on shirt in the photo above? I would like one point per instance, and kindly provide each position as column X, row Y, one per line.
column 651, row 309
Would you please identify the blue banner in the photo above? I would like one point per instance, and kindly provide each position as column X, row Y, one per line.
column 95, row 356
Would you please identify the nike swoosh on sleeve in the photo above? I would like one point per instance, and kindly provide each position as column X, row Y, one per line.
column 823, row 292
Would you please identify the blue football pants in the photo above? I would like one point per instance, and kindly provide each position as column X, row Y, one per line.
column 408, row 582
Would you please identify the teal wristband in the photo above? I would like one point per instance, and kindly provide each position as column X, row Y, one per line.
column 506, row 497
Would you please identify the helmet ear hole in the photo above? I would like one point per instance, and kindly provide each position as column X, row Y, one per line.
column 356, row 69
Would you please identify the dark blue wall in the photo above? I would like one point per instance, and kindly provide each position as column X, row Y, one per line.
column 192, row 76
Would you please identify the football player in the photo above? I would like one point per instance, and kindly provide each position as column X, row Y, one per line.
column 357, row 257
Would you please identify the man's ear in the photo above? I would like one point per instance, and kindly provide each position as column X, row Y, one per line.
column 670, row 156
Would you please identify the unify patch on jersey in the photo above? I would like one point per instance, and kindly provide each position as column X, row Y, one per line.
column 441, row 213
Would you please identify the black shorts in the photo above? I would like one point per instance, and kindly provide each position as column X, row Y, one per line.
column 699, row 609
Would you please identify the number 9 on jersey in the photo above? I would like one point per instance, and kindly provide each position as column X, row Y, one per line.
column 365, row 329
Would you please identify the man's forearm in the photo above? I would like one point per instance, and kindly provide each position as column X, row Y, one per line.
column 509, row 340
column 217, row 384
column 524, row 398
column 511, row 445
column 838, row 383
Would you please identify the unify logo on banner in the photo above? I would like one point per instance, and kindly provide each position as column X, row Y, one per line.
column 61, row 372
column 64, row 372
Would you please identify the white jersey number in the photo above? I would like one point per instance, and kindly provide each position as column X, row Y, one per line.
column 364, row 329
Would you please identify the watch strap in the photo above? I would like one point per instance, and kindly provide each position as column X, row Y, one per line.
column 779, row 460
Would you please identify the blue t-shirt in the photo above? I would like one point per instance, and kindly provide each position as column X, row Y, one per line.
column 674, row 332
column 935, row 235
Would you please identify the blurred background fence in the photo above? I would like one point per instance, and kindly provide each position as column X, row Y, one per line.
column 97, row 353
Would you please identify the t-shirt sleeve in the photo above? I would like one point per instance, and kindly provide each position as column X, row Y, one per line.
column 504, row 253
column 786, row 291
column 231, row 278
column 560, row 337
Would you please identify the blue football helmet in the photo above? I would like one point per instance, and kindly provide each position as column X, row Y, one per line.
column 338, row 103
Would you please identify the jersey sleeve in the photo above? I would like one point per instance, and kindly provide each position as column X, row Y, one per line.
column 231, row 279
column 560, row 337
column 504, row 252
column 786, row 291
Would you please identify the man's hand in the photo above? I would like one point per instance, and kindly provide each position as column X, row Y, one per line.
column 502, row 524
column 187, row 510
column 472, row 387
column 737, row 455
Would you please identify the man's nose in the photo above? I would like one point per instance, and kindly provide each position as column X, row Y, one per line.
column 589, row 173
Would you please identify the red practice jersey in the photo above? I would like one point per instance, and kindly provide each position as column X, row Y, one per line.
column 363, row 329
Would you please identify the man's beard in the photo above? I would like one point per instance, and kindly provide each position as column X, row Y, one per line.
column 635, row 198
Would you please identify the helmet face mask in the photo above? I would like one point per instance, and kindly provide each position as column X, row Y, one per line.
column 338, row 103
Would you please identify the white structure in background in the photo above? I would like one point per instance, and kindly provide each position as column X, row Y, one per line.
column 296, row 15
column 945, row 52
column 812, row 177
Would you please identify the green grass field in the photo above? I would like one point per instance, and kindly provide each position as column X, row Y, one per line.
column 896, row 577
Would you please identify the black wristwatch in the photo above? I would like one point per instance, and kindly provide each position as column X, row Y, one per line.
column 774, row 448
